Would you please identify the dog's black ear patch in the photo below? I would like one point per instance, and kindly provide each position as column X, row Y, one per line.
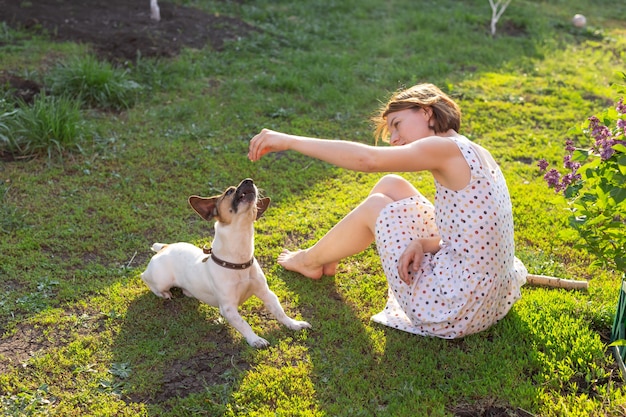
column 261, row 205
column 205, row 207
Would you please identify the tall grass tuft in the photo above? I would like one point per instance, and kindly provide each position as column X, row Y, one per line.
column 6, row 112
column 51, row 125
column 97, row 83
column 6, row 34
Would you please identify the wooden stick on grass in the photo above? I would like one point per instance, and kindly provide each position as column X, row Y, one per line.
column 545, row 280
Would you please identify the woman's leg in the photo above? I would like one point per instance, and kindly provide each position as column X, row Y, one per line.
column 395, row 187
column 353, row 234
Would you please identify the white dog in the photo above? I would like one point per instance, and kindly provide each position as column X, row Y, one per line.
column 227, row 274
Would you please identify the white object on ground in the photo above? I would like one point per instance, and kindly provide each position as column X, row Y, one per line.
column 155, row 12
column 579, row 20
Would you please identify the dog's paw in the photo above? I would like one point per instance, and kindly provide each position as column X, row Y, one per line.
column 299, row 325
column 258, row 343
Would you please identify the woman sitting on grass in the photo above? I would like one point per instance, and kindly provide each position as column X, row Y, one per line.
column 451, row 268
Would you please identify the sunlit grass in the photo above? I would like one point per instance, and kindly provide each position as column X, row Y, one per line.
column 76, row 232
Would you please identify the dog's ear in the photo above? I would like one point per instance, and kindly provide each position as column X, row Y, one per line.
column 261, row 205
column 206, row 207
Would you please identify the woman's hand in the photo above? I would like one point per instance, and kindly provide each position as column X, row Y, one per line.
column 265, row 142
column 410, row 260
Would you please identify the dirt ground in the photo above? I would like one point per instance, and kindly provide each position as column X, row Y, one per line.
column 118, row 31
column 122, row 29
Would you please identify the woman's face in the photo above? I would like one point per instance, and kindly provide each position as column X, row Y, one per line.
column 408, row 125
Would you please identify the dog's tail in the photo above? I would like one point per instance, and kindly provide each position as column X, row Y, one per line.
column 158, row 246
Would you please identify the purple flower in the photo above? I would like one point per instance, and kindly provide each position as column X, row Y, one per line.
column 605, row 147
column 593, row 121
column 601, row 132
column 553, row 178
column 569, row 164
column 598, row 131
column 569, row 179
column 605, row 138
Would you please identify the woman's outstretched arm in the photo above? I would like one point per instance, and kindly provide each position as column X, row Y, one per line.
column 425, row 154
column 344, row 154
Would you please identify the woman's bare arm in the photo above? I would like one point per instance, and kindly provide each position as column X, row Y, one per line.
column 425, row 154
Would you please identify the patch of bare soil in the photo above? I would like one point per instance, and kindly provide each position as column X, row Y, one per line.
column 18, row 348
column 27, row 341
column 489, row 409
column 195, row 375
column 122, row 30
column 21, row 88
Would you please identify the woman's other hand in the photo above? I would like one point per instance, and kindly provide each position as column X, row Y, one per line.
column 410, row 260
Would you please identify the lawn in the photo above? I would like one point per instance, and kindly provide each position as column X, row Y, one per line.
column 99, row 165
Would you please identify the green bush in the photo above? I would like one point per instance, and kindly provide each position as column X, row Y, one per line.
column 96, row 83
column 51, row 125
column 594, row 185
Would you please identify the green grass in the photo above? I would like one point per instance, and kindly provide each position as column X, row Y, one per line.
column 50, row 126
column 76, row 231
column 96, row 83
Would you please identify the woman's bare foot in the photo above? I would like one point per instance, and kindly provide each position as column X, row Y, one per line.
column 296, row 261
column 330, row 269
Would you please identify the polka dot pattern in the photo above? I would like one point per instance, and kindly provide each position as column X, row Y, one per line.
column 475, row 278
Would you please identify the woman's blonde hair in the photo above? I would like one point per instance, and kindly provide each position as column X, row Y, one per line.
column 446, row 114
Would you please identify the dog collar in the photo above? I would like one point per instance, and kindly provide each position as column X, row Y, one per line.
column 229, row 265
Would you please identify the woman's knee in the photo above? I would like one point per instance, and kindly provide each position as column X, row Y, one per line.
column 369, row 210
column 375, row 202
column 395, row 187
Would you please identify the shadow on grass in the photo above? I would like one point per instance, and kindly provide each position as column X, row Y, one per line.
column 339, row 346
column 362, row 368
column 178, row 350
column 473, row 376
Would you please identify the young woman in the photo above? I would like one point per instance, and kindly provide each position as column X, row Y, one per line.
column 451, row 268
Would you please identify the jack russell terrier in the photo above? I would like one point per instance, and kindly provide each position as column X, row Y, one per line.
column 227, row 274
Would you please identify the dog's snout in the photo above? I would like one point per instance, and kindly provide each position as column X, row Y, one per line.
column 246, row 193
column 246, row 186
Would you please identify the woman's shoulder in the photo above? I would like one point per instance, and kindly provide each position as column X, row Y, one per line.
column 452, row 171
column 441, row 142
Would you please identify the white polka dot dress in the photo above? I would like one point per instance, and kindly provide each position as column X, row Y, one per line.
column 475, row 278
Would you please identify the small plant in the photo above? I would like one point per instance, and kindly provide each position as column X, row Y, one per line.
column 112, row 386
column 39, row 299
column 96, row 83
column 50, row 126
column 120, row 370
column 497, row 9
column 594, row 184
column 27, row 403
